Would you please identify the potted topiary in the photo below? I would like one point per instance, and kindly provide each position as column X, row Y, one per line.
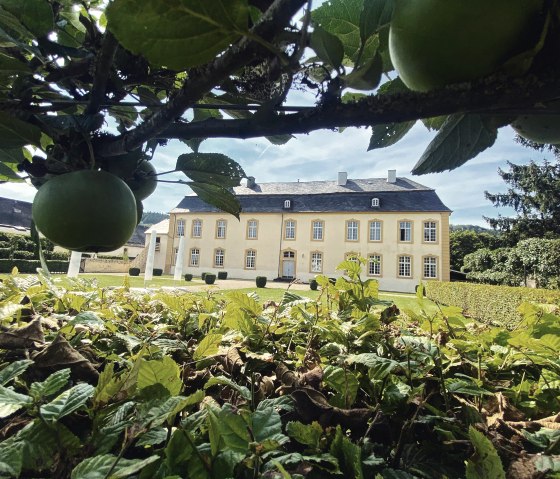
column 134, row 271
column 202, row 276
column 188, row 277
column 209, row 278
column 158, row 271
column 261, row 281
column 222, row 274
column 313, row 285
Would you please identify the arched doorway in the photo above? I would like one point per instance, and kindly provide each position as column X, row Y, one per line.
column 288, row 264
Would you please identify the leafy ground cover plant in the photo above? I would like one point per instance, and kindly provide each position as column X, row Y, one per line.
column 114, row 383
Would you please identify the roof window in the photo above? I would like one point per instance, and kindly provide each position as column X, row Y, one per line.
column 287, row 204
column 375, row 202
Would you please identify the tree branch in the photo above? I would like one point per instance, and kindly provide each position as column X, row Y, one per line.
column 203, row 79
column 496, row 97
column 102, row 68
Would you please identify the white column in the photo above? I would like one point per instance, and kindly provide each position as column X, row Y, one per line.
column 149, row 272
column 74, row 266
column 179, row 263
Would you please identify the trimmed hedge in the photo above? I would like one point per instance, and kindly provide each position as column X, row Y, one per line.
column 5, row 253
column 158, row 271
column 23, row 255
column 203, row 275
column 209, row 278
column 134, row 271
column 261, row 281
column 313, row 285
column 222, row 274
column 188, row 277
column 30, row 266
column 487, row 303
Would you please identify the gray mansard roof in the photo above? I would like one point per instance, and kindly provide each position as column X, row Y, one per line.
column 328, row 196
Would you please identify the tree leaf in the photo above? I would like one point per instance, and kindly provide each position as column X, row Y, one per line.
column 327, row 46
column 348, row 454
column 460, row 139
column 14, row 155
column 98, row 467
column 13, row 370
column 11, row 401
column 367, row 76
column 267, row 425
column 485, row 462
column 11, row 459
column 307, row 434
column 246, row 302
column 388, row 134
column 15, row 133
column 66, row 403
column 51, row 385
column 36, row 15
column 374, row 15
column 212, row 168
column 208, row 346
column 177, row 33
column 9, row 174
column 217, row 196
column 379, row 367
column 344, row 382
column 227, row 430
column 223, row 381
column 160, row 371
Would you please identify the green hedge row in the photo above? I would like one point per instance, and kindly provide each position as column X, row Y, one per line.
column 486, row 303
column 30, row 266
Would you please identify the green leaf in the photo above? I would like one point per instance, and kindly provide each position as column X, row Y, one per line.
column 217, row 196
column 244, row 301
column 177, row 33
column 15, row 133
column 460, row 139
column 485, row 462
column 267, row 425
column 36, row 15
column 348, row 454
column 11, row 459
column 379, row 367
column 11, row 401
column 223, row 381
column 307, row 434
column 14, row 155
column 160, row 413
column 213, row 168
column 208, row 346
column 468, row 388
column 13, row 370
column 227, row 429
column 367, row 76
column 54, row 383
column 374, row 15
column 327, row 46
column 160, row 371
column 66, row 403
column 11, row 66
column 387, row 134
column 178, row 451
column 344, row 382
column 99, row 467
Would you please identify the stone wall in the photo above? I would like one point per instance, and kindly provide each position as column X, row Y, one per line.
column 100, row 265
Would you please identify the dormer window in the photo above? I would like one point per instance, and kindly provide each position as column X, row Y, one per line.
column 375, row 202
column 287, row 204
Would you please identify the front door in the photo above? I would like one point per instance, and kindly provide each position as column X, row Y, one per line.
column 288, row 265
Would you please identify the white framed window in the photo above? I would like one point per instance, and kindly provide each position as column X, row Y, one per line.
column 405, row 231
column 352, row 230
column 250, row 259
column 316, row 262
column 219, row 258
column 317, row 230
column 252, row 229
column 374, row 265
column 405, row 266
column 430, row 231
column 180, row 227
column 221, row 229
column 375, row 202
column 287, row 204
column 375, row 230
column 175, row 255
column 194, row 257
column 289, row 229
column 197, row 228
column 430, row 267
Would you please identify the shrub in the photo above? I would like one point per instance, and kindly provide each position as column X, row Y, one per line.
column 5, row 237
column 202, row 276
column 5, row 253
column 261, row 281
column 22, row 243
column 188, row 277
column 56, row 255
column 134, row 271
column 222, row 274
column 209, row 278
column 23, row 255
column 313, row 285
column 487, row 303
column 30, row 266
column 158, row 271
column 4, row 244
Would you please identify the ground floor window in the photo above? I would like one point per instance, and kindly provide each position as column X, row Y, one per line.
column 219, row 258
column 175, row 255
column 374, row 265
column 405, row 267
column 430, row 267
column 316, row 262
column 250, row 259
column 195, row 257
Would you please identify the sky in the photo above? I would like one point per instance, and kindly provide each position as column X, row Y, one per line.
column 322, row 154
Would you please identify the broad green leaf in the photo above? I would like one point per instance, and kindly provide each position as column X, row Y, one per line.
column 307, row 434
column 327, row 46
column 469, row 388
column 66, row 403
column 223, row 381
column 14, row 155
column 267, row 425
column 213, row 168
column 36, row 15
column 367, row 76
column 379, row 367
column 99, row 467
column 348, row 455
column 217, row 196
column 179, row 449
column 460, row 139
column 7, row 173
column 157, row 415
column 485, row 462
column 344, row 382
column 165, row 372
column 388, row 134
column 15, row 133
column 51, row 385
column 244, row 301
column 208, row 346
column 13, row 370
column 177, row 33
column 11, row 66
column 227, row 429
column 374, row 15
column 11, row 459
column 11, row 401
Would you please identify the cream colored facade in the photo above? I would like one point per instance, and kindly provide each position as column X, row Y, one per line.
column 302, row 245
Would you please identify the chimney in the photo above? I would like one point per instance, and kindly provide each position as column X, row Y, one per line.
column 342, row 177
column 251, row 182
column 391, row 176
